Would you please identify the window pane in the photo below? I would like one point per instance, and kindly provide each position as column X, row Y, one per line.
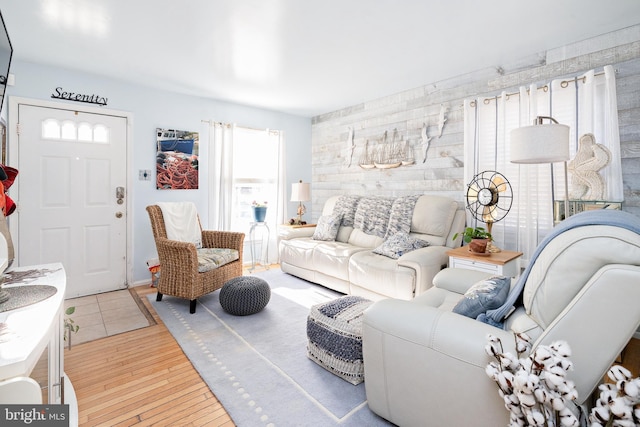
column 69, row 130
column 50, row 129
column 85, row 133
column 101, row 134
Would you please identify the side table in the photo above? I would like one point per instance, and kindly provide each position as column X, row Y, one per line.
column 264, row 244
column 504, row 263
column 293, row 227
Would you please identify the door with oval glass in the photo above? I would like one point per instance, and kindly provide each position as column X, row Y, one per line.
column 71, row 195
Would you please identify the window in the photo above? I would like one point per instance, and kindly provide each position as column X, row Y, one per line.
column 68, row 130
column 245, row 165
column 585, row 103
column 255, row 175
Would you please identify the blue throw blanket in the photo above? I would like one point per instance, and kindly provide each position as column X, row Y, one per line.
column 597, row 217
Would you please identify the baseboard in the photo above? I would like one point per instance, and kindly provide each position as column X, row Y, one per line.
column 140, row 283
column 637, row 335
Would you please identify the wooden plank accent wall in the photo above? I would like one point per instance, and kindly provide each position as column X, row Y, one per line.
column 442, row 173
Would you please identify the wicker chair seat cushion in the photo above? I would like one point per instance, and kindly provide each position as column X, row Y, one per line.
column 212, row 258
column 334, row 332
column 245, row 295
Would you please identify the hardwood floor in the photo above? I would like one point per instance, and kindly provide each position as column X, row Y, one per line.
column 143, row 378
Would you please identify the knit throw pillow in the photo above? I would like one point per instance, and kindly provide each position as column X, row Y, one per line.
column 327, row 228
column 400, row 244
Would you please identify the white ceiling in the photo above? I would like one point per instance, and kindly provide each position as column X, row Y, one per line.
column 304, row 57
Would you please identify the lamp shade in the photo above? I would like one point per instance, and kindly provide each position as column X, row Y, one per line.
column 300, row 192
column 542, row 143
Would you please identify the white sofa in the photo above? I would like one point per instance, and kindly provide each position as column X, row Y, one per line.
column 349, row 265
column 425, row 365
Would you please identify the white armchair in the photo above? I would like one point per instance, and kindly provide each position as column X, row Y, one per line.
column 425, row 365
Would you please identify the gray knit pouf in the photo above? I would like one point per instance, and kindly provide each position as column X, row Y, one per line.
column 244, row 295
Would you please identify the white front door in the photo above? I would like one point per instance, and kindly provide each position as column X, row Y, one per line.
column 72, row 195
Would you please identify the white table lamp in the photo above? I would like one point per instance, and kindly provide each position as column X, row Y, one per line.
column 300, row 192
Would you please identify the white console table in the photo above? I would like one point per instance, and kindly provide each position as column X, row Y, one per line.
column 33, row 343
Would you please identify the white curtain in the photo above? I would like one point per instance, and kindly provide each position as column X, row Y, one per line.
column 586, row 103
column 223, row 204
column 220, row 175
column 282, row 199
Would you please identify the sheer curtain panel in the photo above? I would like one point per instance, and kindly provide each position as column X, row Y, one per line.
column 246, row 165
column 220, row 175
column 586, row 103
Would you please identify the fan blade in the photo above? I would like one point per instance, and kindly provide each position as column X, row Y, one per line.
column 489, row 214
column 472, row 191
column 498, row 183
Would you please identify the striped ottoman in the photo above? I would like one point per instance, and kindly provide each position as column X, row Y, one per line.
column 334, row 333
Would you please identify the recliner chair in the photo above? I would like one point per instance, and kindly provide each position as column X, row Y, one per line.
column 425, row 365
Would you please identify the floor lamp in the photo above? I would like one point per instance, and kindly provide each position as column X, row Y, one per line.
column 543, row 143
column 300, row 192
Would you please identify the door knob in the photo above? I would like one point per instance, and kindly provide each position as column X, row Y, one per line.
column 118, row 214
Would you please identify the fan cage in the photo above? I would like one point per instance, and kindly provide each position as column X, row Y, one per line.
column 496, row 187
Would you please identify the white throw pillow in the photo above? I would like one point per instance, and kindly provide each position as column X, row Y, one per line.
column 327, row 228
column 399, row 244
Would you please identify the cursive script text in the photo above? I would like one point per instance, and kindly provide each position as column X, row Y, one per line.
column 59, row 93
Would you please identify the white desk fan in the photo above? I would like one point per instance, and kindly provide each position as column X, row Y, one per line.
column 489, row 199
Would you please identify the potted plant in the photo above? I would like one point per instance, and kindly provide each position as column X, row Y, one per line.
column 477, row 238
column 69, row 325
column 259, row 211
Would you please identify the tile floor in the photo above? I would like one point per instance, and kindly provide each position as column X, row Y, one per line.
column 104, row 315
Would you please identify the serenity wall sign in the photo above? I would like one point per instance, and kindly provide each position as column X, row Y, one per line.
column 60, row 93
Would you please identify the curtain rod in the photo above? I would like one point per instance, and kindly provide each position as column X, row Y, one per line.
column 563, row 84
column 228, row 125
column 213, row 122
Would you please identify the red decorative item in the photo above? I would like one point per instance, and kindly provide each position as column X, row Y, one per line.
column 11, row 173
column 7, row 176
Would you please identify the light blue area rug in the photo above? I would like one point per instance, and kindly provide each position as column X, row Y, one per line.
column 257, row 365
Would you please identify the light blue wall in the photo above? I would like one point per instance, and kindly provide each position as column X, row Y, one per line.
column 152, row 108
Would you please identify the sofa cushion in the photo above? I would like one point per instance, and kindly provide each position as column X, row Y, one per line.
column 332, row 258
column 327, row 227
column 373, row 276
column 343, row 234
column 329, row 205
column 212, row 258
column 298, row 251
column 361, row 239
column 433, row 215
column 486, row 294
column 400, row 244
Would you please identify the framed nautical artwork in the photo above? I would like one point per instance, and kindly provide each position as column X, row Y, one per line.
column 176, row 159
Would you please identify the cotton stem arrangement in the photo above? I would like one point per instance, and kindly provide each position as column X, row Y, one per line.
column 619, row 401
column 535, row 389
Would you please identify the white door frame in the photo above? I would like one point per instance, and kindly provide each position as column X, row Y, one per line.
column 13, row 159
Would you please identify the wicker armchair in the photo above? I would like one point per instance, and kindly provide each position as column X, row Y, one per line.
column 179, row 276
